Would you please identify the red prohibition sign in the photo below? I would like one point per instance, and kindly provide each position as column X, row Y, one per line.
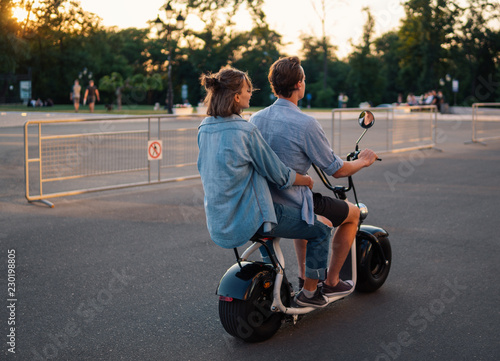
column 155, row 150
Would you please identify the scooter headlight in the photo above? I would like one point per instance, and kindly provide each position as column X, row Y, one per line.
column 363, row 211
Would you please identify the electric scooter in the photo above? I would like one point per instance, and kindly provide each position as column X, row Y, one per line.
column 255, row 297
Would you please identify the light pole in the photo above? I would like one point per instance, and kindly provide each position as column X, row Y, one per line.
column 85, row 74
column 454, row 85
column 169, row 27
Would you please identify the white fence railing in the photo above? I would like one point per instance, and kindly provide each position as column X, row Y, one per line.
column 485, row 121
column 397, row 128
column 70, row 157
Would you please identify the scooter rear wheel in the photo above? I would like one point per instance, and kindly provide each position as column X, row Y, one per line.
column 373, row 270
column 252, row 320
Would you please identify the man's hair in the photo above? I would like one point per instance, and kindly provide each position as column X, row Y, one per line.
column 284, row 74
column 221, row 88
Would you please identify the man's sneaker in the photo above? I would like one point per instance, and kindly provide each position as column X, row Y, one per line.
column 318, row 300
column 342, row 288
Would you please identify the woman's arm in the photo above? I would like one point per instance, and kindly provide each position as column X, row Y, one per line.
column 303, row 180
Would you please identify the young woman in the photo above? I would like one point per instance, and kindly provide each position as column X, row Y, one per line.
column 236, row 164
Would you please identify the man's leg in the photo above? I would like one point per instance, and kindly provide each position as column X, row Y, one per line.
column 343, row 215
column 342, row 241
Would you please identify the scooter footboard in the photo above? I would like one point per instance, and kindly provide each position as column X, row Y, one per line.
column 239, row 282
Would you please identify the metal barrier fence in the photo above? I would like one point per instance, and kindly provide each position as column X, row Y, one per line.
column 485, row 124
column 396, row 129
column 70, row 157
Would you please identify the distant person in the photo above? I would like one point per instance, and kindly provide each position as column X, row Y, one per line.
column 441, row 106
column 411, row 99
column 75, row 95
column 345, row 99
column 91, row 94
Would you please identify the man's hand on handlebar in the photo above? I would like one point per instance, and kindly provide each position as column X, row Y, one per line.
column 368, row 156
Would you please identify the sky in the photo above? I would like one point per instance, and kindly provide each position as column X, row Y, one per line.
column 290, row 18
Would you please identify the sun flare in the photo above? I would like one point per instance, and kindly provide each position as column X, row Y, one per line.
column 19, row 13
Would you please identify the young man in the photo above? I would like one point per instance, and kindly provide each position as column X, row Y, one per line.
column 91, row 93
column 299, row 141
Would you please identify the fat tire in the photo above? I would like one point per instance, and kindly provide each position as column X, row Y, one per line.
column 373, row 273
column 252, row 320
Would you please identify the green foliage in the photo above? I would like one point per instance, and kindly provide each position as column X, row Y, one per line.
column 326, row 98
column 365, row 79
column 436, row 38
column 424, row 35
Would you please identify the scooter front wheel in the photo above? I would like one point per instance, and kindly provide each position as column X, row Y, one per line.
column 252, row 320
column 374, row 267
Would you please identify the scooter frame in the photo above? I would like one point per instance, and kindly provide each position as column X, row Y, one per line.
column 277, row 305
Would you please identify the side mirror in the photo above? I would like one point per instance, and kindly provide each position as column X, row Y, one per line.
column 366, row 119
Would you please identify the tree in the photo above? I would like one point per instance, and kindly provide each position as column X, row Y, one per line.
column 325, row 42
column 475, row 52
column 387, row 50
column 113, row 83
column 13, row 48
column 219, row 44
column 424, row 36
column 313, row 64
column 365, row 80
column 258, row 52
column 56, row 35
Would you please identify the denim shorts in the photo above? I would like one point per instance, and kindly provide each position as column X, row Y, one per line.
column 290, row 225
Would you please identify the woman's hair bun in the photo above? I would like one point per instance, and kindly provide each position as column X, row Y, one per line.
column 210, row 81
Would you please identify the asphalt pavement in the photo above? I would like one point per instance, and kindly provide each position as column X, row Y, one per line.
column 131, row 274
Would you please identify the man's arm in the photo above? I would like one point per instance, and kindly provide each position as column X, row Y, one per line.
column 365, row 159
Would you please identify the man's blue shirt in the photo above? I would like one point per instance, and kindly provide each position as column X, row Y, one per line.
column 299, row 140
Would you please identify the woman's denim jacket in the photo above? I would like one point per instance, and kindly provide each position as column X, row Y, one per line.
column 235, row 164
